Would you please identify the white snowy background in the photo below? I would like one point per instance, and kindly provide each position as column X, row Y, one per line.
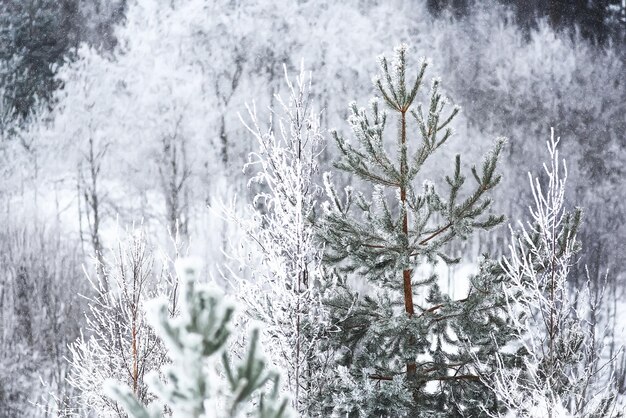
column 140, row 127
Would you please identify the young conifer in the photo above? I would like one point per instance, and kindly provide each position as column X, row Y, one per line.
column 398, row 357
column 203, row 381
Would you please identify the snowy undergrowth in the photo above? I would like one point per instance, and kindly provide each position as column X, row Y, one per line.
column 202, row 381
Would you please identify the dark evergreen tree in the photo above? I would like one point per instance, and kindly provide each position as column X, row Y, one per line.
column 34, row 36
column 459, row 8
column 398, row 356
column 597, row 20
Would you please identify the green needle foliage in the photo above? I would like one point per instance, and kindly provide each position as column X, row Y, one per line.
column 397, row 357
column 194, row 387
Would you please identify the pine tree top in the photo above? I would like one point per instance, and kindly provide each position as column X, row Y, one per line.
column 376, row 241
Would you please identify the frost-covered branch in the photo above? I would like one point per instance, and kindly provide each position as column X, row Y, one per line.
column 284, row 290
column 559, row 374
column 120, row 344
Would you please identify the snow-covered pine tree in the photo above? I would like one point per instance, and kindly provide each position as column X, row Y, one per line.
column 397, row 357
column 282, row 292
column 202, row 381
column 561, row 373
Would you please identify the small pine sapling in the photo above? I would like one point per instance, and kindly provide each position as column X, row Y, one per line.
column 202, row 381
column 397, row 357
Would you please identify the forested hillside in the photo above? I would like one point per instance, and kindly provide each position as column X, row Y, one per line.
column 352, row 201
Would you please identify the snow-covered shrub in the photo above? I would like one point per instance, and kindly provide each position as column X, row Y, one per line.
column 40, row 314
column 560, row 372
column 119, row 343
column 280, row 251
